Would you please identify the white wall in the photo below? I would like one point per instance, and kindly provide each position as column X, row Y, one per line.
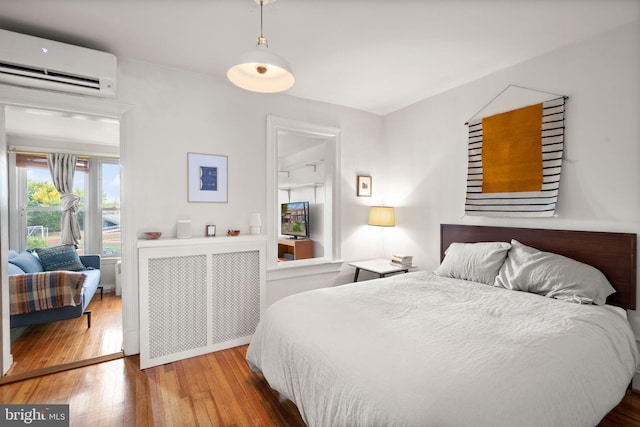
column 425, row 161
column 175, row 112
column 416, row 156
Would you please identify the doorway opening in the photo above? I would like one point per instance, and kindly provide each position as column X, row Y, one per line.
column 34, row 213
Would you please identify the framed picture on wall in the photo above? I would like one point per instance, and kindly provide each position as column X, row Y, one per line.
column 207, row 178
column 364, row 186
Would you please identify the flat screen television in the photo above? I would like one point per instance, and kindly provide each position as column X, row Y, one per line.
column 294, row 219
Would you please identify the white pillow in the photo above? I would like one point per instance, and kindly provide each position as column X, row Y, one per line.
column 552, row 275
column 478, row 262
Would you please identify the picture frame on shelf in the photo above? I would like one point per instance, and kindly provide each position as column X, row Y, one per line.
column 207, row 178
column 364, row 186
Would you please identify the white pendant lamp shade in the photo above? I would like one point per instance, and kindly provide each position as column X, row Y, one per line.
column 261, row 71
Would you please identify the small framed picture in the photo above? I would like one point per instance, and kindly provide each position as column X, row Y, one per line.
column 207, row 178
column 364, row 186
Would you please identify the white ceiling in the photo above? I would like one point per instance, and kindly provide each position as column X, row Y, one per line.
column 55, row 126
column 373, row 55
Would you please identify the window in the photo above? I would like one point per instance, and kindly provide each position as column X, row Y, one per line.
column 110, row 207
column 95, row 181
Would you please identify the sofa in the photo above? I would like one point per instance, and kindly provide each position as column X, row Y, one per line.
column 32, row 268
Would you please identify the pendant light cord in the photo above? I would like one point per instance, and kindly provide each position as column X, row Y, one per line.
column 261, row 39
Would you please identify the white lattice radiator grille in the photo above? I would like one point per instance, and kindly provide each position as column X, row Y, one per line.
column 177, row 304
column 236, row 305
column 200, row 301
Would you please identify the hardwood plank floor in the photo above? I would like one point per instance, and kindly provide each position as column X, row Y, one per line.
column 216, row 389
column 626, row 414
column 65, row 342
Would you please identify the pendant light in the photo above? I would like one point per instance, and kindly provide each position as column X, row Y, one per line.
column 260, row 70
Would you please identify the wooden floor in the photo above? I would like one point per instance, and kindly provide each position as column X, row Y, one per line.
column 64, row 342
column 216, row 389
column 626, row 414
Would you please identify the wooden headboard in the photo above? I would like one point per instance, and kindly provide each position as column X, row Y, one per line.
column 612, row 253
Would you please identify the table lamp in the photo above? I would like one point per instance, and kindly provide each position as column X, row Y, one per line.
column 382, row 216
column 255, row 222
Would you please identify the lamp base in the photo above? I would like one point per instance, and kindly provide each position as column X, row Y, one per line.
column 254, row 230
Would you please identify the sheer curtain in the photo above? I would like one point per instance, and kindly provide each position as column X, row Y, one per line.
column 62, row 168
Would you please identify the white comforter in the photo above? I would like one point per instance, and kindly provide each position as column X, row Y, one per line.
column 421, row 350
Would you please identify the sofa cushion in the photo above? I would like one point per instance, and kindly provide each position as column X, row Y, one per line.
column 91, row 284
column 27, row 262
column 62, row 257
column 14, row 269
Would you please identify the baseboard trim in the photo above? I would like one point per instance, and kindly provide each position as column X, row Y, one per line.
column 7, row 379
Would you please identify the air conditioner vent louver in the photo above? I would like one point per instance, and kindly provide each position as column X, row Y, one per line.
column 45, row 64
column 49, row 75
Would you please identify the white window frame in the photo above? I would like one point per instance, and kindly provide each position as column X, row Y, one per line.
column 331, row 261
column 92, row 208
column 95, row 174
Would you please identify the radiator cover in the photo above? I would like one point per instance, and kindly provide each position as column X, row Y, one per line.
column 195, row 299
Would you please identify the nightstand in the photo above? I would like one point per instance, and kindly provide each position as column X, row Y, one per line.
column 380, row 266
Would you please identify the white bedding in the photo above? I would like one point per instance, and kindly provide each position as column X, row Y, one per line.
column 422, row 350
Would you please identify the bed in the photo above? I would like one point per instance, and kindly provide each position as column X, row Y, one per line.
column 423, row 349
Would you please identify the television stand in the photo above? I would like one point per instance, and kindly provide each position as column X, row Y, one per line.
column 294, row 249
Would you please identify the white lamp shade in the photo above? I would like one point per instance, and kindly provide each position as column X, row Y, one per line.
column 382, row 216
column 276, row 75
column 255, row 220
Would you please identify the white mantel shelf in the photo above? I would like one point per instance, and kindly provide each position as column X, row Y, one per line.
column 195, row 241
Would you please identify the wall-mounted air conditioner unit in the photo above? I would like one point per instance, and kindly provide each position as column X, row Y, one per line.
column 34, row 62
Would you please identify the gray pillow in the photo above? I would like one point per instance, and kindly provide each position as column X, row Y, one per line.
column 552, row 275
column 478, row 262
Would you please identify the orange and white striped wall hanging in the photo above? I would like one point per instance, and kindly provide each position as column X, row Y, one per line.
column 515, row 160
